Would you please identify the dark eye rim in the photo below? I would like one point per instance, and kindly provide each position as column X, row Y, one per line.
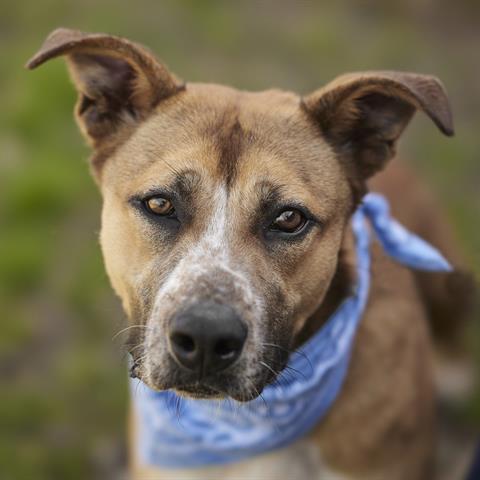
column 304, row 220
column 170, row 213
column 310, row 221
column 139, row 202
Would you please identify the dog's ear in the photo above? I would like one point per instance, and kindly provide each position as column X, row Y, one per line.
column 363, row 114
column 119, row 82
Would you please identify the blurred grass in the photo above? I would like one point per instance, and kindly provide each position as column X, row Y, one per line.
column 64, row 397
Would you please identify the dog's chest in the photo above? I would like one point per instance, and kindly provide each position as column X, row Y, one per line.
column 300, row 461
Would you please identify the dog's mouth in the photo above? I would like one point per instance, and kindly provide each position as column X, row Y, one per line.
column 230, row 384
column 237, row 382
column 225, row 387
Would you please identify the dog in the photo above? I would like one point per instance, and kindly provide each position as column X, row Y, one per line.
column 226, row 223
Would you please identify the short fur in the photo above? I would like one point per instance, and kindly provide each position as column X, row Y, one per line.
column 229, row 160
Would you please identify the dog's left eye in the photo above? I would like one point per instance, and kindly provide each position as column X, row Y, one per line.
column 159, row 206
column 289, row 221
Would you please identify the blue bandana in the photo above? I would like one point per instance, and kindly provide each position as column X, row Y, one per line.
column 175, row 432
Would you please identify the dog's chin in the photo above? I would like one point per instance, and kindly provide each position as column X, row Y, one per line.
column 224, row 385
column 200, row 392
column 203, row 391
column 206, row 392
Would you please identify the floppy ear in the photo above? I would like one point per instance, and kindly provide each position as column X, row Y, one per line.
column 119, row 82
column 363, row 114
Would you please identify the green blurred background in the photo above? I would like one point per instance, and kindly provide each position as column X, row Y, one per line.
column 63, row 397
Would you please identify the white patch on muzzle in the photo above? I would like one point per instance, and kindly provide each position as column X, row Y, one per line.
column 210, row 258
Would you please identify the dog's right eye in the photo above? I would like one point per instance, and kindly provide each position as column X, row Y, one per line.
column 159, row 206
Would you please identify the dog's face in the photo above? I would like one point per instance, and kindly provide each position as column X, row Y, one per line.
column 224, row 211
column 241, row 204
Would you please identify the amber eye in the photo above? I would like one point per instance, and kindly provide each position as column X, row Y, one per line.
column 159, row 206
column 289, row 221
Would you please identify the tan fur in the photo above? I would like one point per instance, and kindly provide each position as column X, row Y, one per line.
column 233, row 152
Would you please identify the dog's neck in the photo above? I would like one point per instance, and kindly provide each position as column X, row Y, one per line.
column 340, row 288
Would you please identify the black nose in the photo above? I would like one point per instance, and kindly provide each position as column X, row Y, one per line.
column 207, row 338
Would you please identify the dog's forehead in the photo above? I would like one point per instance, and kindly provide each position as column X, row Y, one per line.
column 238, row 139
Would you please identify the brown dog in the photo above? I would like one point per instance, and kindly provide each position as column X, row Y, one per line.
column 231, row 204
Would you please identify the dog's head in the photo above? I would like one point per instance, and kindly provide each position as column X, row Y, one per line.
column 225, row 211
